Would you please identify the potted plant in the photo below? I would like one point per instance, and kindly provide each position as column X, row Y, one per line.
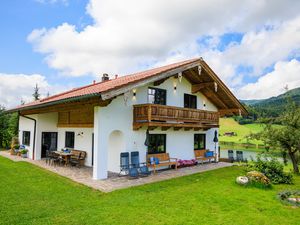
column 24, row 153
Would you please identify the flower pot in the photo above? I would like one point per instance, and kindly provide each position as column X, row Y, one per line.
column 24, row 155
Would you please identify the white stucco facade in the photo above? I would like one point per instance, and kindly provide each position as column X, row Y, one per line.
column 113, row 130
column 117, row 118
column 47, row 122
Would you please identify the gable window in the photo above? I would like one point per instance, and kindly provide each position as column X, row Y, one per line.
column 70, row 138
column 157, row 143
column 190, row 101
column 199, row 141
column 157, row 96
column 26, row 138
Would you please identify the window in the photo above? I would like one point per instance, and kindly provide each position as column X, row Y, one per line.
column 26, row 138
column 157, row 96
column 157, row 143
column 190, row 101
column 199, row 141
column 70, row 137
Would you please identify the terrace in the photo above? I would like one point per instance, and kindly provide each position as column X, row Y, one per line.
column 83, row 175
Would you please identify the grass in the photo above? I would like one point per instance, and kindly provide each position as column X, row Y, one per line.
column 31, row 195
column 230, row 125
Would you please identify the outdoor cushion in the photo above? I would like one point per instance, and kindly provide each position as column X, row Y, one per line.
column 209, row 154
column 156, row 161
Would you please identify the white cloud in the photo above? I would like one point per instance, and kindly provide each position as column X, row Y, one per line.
column 128, row 35
column 17, row 87
column 260, row 49
column 273, row 83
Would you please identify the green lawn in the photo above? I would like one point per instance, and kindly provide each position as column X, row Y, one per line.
column 230, row 125
column 31, row 195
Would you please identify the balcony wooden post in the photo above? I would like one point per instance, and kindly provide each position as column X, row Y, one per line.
column 149, row 113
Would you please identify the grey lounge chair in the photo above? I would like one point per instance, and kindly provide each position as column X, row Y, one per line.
column 124, row 163
column 239, row 156
column 135, row 163
column 230, row 155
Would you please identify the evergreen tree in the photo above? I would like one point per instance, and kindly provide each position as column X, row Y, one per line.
column 36, row 94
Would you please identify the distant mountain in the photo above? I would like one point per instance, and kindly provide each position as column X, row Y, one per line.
column 273, row 106
column 252, row 102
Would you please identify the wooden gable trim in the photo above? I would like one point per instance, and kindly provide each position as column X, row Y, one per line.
column 199, row 87
column 223, row 86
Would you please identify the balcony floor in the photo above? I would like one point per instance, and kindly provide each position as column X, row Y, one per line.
column 83, row 175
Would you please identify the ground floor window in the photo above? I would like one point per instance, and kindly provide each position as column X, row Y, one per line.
column 157, row 143
column 70, row 139
column 26, row 138
column 199, row 141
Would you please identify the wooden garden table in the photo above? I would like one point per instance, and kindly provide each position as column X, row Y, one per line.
column 65, row 155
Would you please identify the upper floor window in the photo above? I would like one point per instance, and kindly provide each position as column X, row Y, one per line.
column 26, row 138
column 157, row 96
column 190, row 101
column 70, row 139
column 199, row 141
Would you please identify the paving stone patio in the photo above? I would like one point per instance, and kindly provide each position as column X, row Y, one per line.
column 83, row 175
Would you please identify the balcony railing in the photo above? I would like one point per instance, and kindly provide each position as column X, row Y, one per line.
column 153, row 115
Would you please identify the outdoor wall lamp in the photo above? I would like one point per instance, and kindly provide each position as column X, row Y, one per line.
column 134, row 94
column 175, row 85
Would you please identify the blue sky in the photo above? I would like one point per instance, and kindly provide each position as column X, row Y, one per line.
column 61, row 44
column 21, row 17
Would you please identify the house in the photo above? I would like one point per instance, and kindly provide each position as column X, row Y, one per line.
column 179, row 104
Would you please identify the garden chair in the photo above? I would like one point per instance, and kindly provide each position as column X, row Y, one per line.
column 75, row 161
column 48, row 157
column 230, row 155
column 239, row 156
column 124, row 163
column 133, row 173
column 55, row 159
column 135, row 163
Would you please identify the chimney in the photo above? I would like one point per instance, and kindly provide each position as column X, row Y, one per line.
column 105, row 77
column 94, row 82
column 116, row 76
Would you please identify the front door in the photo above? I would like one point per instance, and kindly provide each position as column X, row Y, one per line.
column 49, row 142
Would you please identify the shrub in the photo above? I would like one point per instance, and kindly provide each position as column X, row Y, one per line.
column 258, row 179
column 23, row 151
column 272, row 169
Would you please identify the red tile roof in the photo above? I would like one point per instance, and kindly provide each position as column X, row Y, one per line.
column 97, row 88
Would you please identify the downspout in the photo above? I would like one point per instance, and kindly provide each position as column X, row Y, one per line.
column 34, row 134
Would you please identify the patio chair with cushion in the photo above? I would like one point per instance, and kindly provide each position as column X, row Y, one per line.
column 124, row 163
column 78, row 155
column 75, row 161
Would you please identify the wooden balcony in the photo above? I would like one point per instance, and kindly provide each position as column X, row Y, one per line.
column 153, row 116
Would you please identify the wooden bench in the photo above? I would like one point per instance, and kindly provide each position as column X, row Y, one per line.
column 200, row 156
column 75, row 154
column 164, row 160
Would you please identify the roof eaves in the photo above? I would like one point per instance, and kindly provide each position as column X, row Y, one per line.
column 52, row 103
